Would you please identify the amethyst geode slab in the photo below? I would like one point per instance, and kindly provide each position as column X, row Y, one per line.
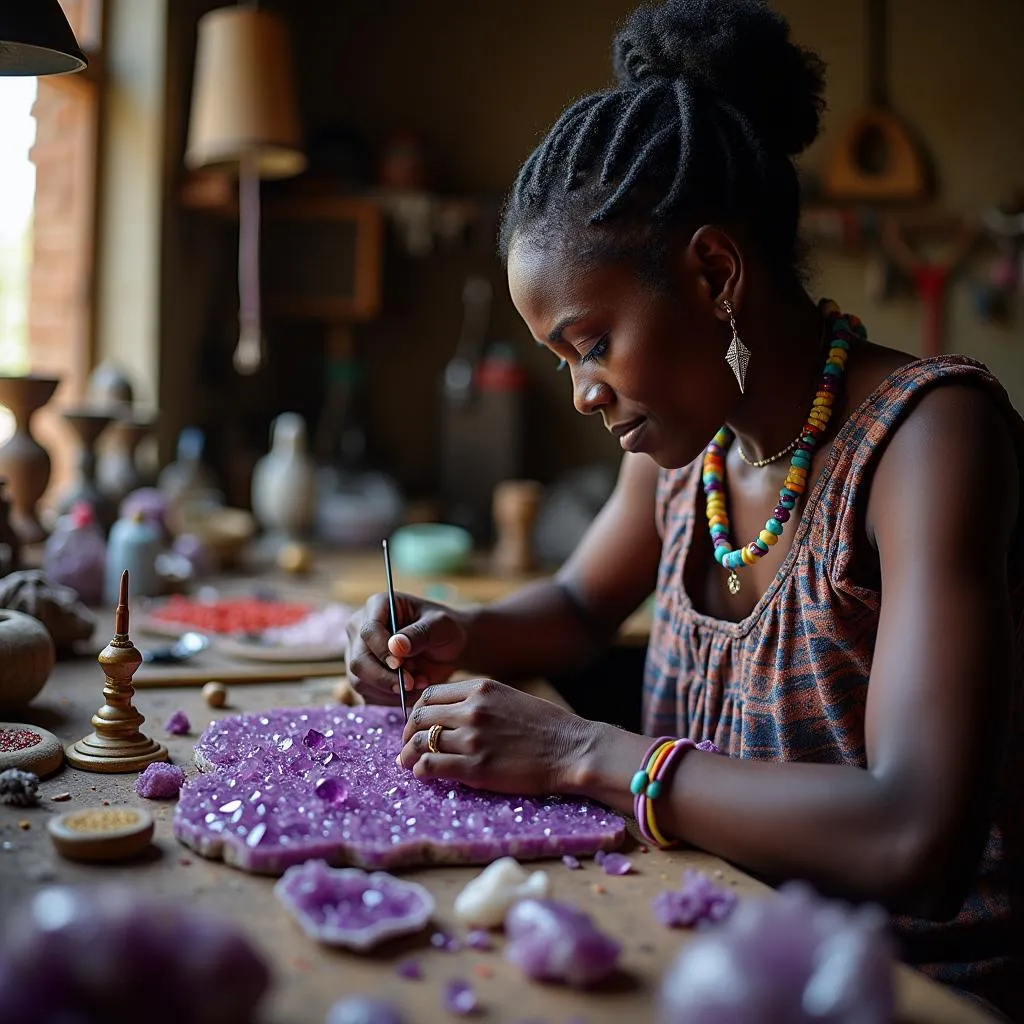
column 286, row 786
column 350, row 907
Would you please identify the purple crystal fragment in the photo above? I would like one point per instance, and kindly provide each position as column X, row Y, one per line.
column 791, row 957
column 363, row 1010
column 388, row 818
column 459, row 998
column 409, row 969
column 444, row 941
column 698, row 900
column 479, row 940
column 348, row 907
column 552, row 941
column 616, row 864
column 600, row 856
column 331, row 790
column 178, row 724
column 314, row 740
column 571, row 862
column 160, row 781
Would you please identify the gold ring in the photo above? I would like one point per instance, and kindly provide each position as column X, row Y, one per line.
column 432, row 738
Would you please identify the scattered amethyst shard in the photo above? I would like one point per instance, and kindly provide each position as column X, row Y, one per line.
column 571, row 862
column 178, row 724
column 409, row 969
column 459, row 998
column 616, row 864
column 72, row 953
column 322, row 783
column 552, row 941
column 349, row 907
column 160, row 781
column 363, row 1010
column 445, row 942
column 698, row 900
column 479, row 940
column 790, row 957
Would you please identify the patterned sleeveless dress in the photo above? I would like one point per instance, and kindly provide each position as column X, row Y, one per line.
column 789, row 682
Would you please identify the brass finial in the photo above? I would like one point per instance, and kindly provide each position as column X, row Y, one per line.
column 116, row 744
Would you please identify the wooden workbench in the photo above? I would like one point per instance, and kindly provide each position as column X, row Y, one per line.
column 309, row 978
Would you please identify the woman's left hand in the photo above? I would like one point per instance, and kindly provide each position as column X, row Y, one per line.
column 492, row 737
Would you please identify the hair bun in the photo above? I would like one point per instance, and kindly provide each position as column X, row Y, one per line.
column 737, row 50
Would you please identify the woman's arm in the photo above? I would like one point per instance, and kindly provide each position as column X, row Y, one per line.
column 909, row 829
column 554, row 625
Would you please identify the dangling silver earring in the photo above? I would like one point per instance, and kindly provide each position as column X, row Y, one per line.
column 737, row 355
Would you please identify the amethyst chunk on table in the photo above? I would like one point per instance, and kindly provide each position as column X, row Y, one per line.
column 552, row 941
column 350, row 907
column 285, row 786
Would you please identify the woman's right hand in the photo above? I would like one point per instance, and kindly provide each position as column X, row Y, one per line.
column 427, row 647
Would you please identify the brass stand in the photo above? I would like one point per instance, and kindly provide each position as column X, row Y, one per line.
column 117, row 745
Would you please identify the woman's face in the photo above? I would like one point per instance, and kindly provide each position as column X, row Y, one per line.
column 650, row 360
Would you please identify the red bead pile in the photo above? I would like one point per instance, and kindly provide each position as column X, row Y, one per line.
column 230, row 615
column 17, row 739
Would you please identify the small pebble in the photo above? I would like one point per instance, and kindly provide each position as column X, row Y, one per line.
column 106, row 803
column 24, row 825
column 178, row 724
column 215, row 694
column 719, row 873
column 184, row 861
column 571, row 862
column 483, row 970
column 597, row 888
column 58, row 797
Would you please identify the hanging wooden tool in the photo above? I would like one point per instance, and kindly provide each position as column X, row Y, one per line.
column 930, row 274
column 876, row 159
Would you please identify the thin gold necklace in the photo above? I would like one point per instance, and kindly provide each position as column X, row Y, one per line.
column 761, row 463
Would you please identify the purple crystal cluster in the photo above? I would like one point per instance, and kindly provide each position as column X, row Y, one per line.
column 177, row 724
column 160, row 781
column 286, row 786
column 791, row 957
column 551, row 941
column 698, row 900
column 349, row 907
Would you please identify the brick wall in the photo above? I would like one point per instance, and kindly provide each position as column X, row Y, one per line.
column 61, row 285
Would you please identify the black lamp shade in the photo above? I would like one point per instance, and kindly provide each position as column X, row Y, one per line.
column 36, row 39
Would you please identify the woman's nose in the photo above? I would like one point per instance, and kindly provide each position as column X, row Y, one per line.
column 589, row 395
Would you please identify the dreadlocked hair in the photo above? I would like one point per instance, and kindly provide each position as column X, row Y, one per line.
column 713, row 102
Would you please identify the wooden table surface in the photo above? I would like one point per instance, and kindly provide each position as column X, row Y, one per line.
column 308, row 977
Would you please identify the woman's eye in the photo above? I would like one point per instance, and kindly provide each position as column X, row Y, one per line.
column 597, row 351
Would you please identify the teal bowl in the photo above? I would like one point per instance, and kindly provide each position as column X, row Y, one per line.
column 430, row 549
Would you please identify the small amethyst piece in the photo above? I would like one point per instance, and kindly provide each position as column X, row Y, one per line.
column 445, row 942
column 571, row 862
column 479, row 940
column 459, row 998
column 698, row 900
column 552, row 941
column 616, row 864
column 178, row 724
column 321, row 783
column 349, row 907
column 160, row 781
column 409, row 969
column 363, row 1010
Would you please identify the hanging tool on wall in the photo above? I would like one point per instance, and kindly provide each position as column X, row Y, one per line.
column 877, row 158
column 906, row 238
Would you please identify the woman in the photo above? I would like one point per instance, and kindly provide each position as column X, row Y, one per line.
column 837, row 572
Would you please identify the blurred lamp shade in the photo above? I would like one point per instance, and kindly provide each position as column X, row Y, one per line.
column 36, row 39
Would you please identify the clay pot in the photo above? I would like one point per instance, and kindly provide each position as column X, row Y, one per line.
column 23, row 461
column 27, row 656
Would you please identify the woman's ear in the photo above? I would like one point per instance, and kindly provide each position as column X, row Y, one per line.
column 716, row 261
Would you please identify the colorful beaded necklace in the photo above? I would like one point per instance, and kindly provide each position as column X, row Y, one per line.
column 841, row 330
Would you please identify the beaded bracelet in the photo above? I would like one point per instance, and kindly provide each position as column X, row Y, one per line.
column 648, row 783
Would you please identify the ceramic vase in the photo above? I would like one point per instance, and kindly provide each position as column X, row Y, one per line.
column 88, row 425
column 283, row 481
column 117, row 472
column 23, row 461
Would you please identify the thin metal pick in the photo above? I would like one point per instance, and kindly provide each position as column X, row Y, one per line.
column 394, row 623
